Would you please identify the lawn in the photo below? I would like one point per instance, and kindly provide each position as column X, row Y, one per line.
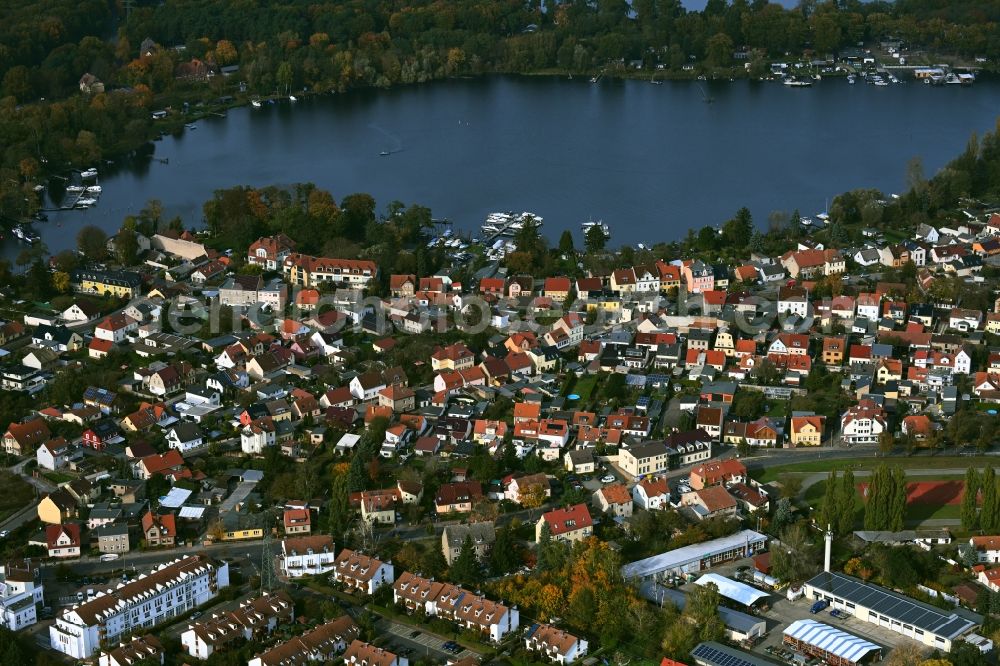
column 57, row 477
column 585, row 387
column 17, row 495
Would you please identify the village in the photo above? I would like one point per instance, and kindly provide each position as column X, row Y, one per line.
column 275, row 465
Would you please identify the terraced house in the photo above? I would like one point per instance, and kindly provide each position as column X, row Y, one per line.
column 451, row 602
column 168, row 591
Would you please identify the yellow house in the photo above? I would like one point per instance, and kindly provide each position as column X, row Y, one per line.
column 123, row 284
column 56, row 508
column 807, row 430
column 610, row 304
column 238, row 535
column 724, row 343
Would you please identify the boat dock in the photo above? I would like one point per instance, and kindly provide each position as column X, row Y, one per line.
column 504, row 224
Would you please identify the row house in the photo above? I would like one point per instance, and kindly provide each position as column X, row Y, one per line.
column 361, row 572
column 308, row 271
column 253, row 619
column 321, row 644
column 555, row 644
column 450, row 602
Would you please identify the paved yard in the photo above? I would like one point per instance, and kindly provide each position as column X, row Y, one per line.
column 424, row 644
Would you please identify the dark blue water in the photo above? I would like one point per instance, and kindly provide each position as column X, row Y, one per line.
column 650, row 160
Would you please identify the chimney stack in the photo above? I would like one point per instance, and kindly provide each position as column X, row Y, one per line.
column 829, row 547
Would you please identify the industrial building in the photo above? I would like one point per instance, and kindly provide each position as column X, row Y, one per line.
column 739, row 626
column 711, row 653
column 833, row 646
column 922, row 622
column 739, row 593
column 697, row 557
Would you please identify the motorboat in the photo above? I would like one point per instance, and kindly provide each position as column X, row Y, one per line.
column 293, row 98
column 256, row 103
column 93, row 189
column 86, row 202
column 88, row 173
column 793, row 82
column 74, row 189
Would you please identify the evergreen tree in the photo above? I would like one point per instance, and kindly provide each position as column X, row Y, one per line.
column 847, row 504
column 465, row 568
column 897, row 507
column 566, row 243
column 505, row 556
column 830, row 514
column 340, row 510
column 988, row 515
column 874, row 504
column 969, row 513
column 595, row 240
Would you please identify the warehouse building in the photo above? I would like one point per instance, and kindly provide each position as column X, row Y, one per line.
column 833, row 646
column 739, row 593
column 739, row 626
column 922, row 622
column 697, row 557
column 711, row 653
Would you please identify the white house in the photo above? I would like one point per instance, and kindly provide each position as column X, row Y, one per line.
column 863, row 423
column 115, row 328
column 21, row 594
column 651, row 493
column 362, row 572
column 555, row 644
column 257, row 436
column 184, row 437
column 53, row 454
column 307, row 556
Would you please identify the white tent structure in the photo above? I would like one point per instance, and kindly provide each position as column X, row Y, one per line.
column 731, row 589
column 829, row 643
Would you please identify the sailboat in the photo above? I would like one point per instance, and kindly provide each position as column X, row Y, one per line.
column 653, row 80
column 705, row 97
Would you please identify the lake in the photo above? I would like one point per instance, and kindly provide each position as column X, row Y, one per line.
column 652, row 161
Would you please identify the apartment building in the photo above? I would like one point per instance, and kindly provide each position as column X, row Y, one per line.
column 307, row 556
column 169, row 590
column 254, row 618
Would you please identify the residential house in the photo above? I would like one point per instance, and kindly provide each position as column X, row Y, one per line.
column 482, row 536
column 807, row 430
column 717, row 473
column 570, row 524
column 614, row 500
column 63, row 540
column 307, row 556
column 710, row 502
column 863, row 423
column 555, row 644
column 361, row 572
column 159, row 529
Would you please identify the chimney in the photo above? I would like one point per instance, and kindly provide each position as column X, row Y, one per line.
column 829, row 547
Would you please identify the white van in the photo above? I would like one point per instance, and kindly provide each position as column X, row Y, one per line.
column 109, row 557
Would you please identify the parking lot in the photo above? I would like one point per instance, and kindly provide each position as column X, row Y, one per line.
column 401, row 637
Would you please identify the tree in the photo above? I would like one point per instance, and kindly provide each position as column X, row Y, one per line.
column 886, row 442
column 988, row 514
column 505, row 555
column 465, row 568
column 92, row 242
column 595, row 240
column 830, row 512
column 970, row 515
column 898, row 506
column 794, row 559
column 566, row 243
column 720, row 50
column 847, row 503
column 61, row 282
column 127, row 244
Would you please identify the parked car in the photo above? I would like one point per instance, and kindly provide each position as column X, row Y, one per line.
column 108, row 557
column 610, row 478
column 414, row 634
column 4, row 534
column 818, row 606
column 195, row 615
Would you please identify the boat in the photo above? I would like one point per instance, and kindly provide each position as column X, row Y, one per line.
column 793, row 82
column 88, row 173
column 25, row 234
column 256, row 103
column 41, row 217
column 191, row 126
column 86, row 202
column 593, row 79
column 74, row 189
column 880, row 82
column 384, row 153
column 850, row 78
column 587, row 226
column 292, row 98
column 94, row 189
